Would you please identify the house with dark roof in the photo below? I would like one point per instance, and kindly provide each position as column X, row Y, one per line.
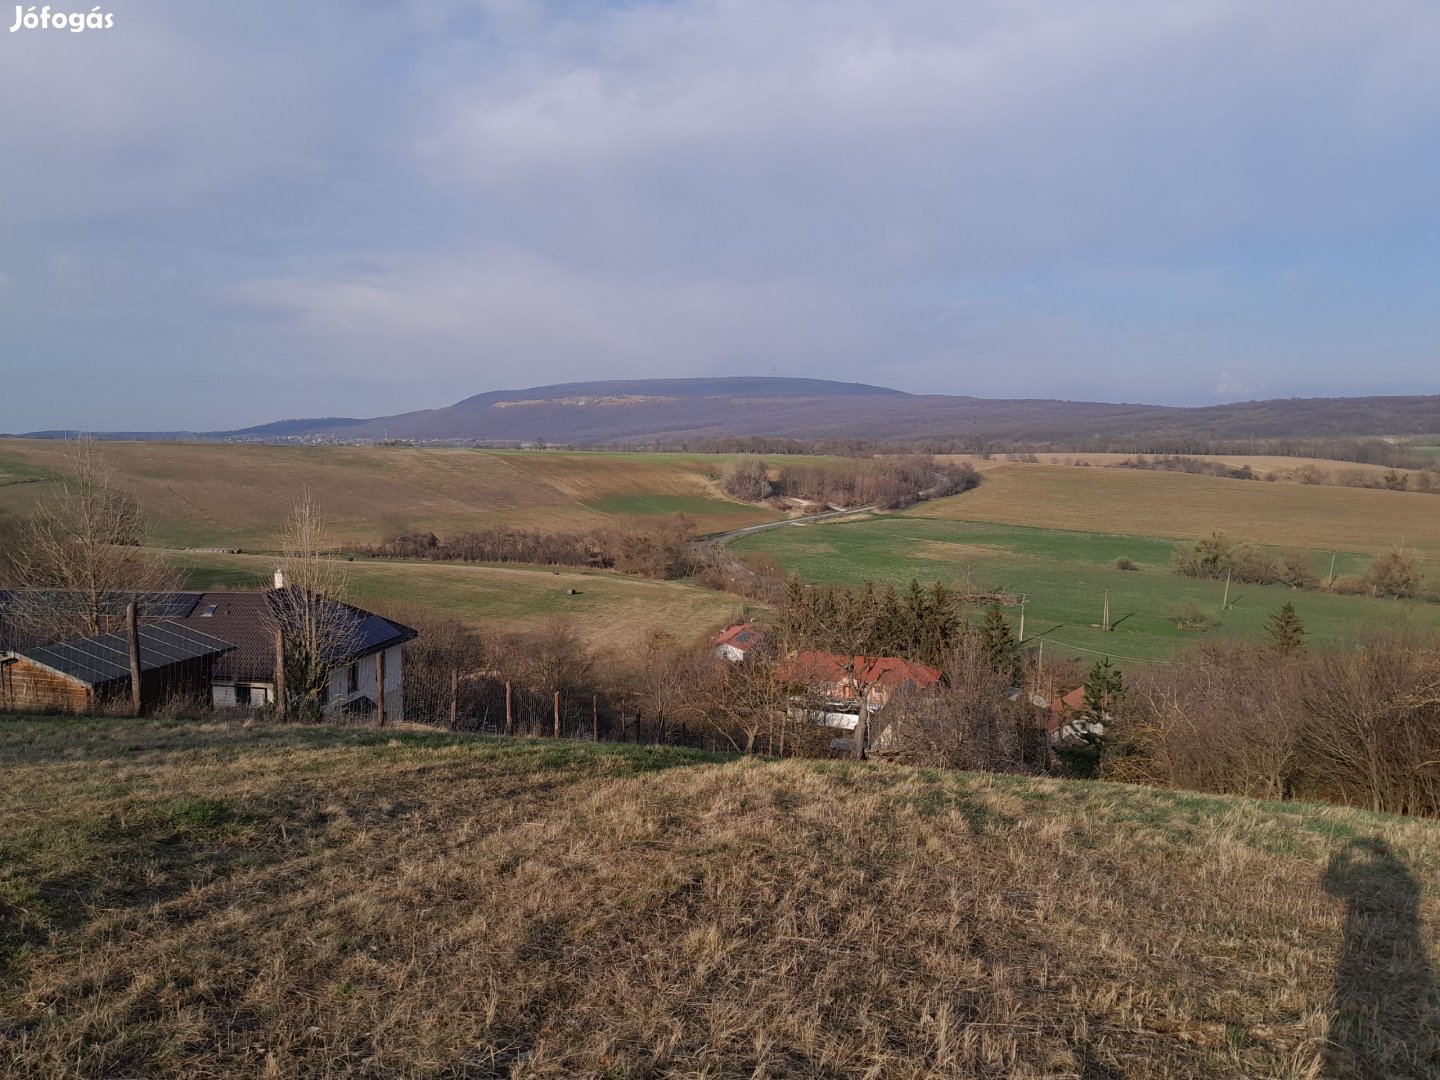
column 88, row 674
column 365, row 655
column 366, row 652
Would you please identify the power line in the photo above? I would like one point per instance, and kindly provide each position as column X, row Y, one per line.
column 1109, row 655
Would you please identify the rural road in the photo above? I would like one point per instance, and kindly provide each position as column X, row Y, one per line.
column 721, row 539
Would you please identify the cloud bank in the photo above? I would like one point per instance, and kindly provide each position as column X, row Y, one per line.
column 215, row 215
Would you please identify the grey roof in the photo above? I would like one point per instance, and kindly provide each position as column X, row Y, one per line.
column 97, row 660
column 148, row 605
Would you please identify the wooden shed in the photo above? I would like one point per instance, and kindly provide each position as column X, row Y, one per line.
column 86, row 674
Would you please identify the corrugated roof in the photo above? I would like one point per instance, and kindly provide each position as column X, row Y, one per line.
column 97, row 660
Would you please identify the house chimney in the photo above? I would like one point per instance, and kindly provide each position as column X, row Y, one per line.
column 279, row 577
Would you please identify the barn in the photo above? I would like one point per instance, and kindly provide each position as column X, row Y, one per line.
column 87, row 674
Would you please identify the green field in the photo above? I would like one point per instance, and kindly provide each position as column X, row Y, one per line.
column 1065, row 574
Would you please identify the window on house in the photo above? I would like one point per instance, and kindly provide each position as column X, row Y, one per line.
column 352, row 679
column 209, row 611
column 242, row 695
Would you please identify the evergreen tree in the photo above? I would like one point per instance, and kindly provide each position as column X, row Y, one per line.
column 997, row 641
column 1287, row 632
column 1104, row 688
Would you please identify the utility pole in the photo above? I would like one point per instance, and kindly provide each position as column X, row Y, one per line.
column 1225, row 603
column 454, row 695
column 1105, row 618
column 280, row 696
column 1331, row 583
column 132, row 630
column 557, row 714
column 1024, row 599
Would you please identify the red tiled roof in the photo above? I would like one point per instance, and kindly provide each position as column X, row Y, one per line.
column 889, row 672
column 1062, row 706
column 742, row 636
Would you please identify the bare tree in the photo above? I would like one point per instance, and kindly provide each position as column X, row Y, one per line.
column 317, row 629
column 969, row 723
column 85, row 547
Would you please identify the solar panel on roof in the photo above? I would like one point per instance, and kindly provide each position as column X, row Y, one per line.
column 107, row 657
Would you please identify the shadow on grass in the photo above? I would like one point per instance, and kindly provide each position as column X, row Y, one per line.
column 1385, row 1011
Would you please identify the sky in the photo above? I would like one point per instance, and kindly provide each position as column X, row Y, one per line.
column 217, row 214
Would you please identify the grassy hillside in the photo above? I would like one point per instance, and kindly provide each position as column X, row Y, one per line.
column 1055, row 533
column 1065, row 575
column 237, row 496
column 1180, row 506
column 613, row 613
column 224, row 900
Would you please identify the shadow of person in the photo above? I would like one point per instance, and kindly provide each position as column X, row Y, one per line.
column 1385, row 1011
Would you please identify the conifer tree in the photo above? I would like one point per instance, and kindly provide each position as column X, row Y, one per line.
column 997, row 641
column 1287, row 632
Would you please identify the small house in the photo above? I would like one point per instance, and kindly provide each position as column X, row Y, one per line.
column 737, row 643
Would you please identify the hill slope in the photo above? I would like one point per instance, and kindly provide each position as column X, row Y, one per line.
column 673, row 409
column 218, row 900
column 220, row 495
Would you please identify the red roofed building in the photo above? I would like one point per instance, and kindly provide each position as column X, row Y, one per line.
column 1063, row 720
column 844, row 682
column 736, row 643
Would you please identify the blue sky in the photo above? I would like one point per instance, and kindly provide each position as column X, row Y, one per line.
column 215, row 214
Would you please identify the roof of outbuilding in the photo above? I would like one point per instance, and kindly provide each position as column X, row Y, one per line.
column 106, row 658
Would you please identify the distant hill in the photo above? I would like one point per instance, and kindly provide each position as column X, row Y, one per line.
column 668, row 410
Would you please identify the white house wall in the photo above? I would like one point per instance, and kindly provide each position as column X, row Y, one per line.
column 394, row 684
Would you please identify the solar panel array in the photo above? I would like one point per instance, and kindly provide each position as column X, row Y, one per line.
column 106, row 658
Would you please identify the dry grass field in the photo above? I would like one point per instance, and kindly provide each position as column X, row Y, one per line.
column 1263, row 464
column 219, row 900
column 1179, row 506
column 237, row 496
column 612, row 613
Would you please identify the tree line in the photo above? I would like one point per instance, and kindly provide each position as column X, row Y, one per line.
column 662, row 548
column 887, row 483
column 1218, row 557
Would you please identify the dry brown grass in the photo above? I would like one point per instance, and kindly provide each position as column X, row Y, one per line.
column 229, row 495
column 1180, row 506
column 215, row 901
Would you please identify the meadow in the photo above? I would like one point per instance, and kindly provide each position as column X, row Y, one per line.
column 612, row 613
column 1055, row 533
column 221, row 495
column 205, row 900
column 1179, row 506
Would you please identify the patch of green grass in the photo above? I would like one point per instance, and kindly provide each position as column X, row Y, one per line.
column 1065, row 575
